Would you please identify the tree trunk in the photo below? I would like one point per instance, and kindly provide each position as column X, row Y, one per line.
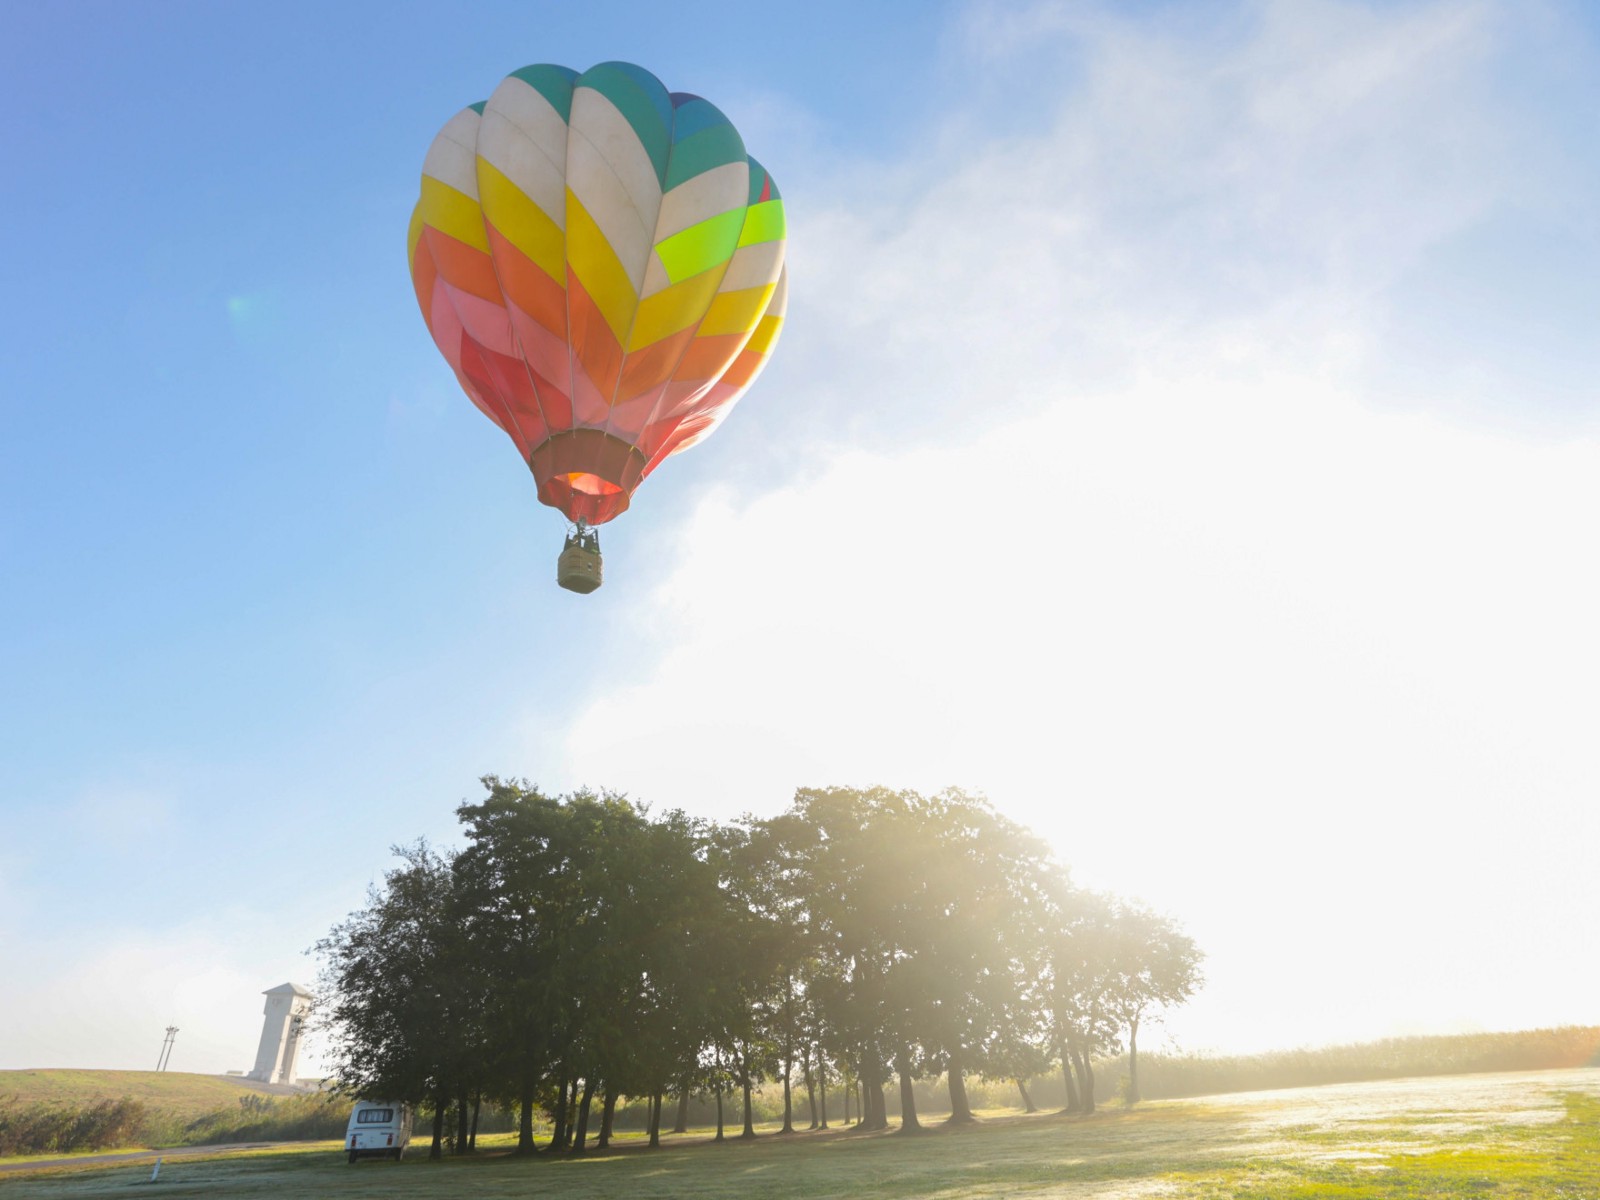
column 717, row 1079
column 525, row 1121
column 436, row 1150
column 1085, row 1079
column 908, row 1096
column 874, row 1113
column 1027, row 1101
column 1073, row 1104
column 655, row 1121
column 558, row 1132
column 811, row 1087
column 681, row 1124
column 608, row 1112
column 472, row 1134
column 744, row 1082
column 849, row 1089
column 960, row 1107
column 1133, row 1061
column 579, row 1142
column 822, row 1082
column 461, row 1124
column 788, row 1099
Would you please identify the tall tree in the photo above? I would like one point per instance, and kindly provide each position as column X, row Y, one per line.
column 834, row 844
column 1078, row 947
column 399, row 991
column 538, row 882
column 1153, row 964
column 747, row 955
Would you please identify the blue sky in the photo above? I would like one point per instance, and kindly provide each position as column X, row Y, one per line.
column 242, row 509
column 1264, row 331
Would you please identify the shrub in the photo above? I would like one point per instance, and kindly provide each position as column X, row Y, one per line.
column 63, row 1128
column 316, row 1116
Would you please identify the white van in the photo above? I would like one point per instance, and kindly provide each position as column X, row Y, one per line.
column 378, row 1127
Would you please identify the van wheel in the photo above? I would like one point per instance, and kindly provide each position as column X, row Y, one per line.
column 397, row 1154
column 352, row 1156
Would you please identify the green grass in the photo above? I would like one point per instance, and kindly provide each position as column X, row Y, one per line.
column 1522, row 1136
column 1561, row 1158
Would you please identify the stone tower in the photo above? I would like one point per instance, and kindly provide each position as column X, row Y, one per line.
column 286, row 1010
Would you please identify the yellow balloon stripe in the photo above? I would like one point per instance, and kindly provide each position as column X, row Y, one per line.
column 761, row 341
column 736, row 312
column 453, row 213
column 523, row 223
column 591, row 259
column 673, row 309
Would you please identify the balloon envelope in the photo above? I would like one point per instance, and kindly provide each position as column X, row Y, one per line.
column 601, row 263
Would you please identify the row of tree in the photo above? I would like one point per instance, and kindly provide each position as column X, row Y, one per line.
column 579, row 949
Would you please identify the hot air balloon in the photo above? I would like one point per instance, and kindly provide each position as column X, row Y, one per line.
column 601, row 263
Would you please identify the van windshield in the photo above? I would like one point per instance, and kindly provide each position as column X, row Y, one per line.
column 375, row 1116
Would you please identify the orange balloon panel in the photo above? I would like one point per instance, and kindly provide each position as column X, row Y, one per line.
column 602, row 265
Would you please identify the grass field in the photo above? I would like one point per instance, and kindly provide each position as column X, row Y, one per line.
column 186, row 1096
column 1526, row 1135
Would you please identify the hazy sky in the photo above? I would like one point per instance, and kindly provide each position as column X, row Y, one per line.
column 1186, row 431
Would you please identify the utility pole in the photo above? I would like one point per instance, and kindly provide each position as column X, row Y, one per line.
column 166, row 1048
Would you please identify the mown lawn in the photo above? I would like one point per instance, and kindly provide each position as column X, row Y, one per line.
column 1474, row 1136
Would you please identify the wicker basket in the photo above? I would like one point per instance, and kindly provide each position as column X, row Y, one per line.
column 578, row 568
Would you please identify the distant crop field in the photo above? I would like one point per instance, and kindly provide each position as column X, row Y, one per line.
column 1506, row 1135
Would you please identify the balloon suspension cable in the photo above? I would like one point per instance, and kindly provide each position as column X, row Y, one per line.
column 581, row 533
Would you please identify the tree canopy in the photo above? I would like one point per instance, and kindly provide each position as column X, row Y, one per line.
column 579, row 948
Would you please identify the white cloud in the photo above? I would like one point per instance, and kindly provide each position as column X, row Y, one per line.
column 1262, row 180
column 1316, row 678
column 1135, row 546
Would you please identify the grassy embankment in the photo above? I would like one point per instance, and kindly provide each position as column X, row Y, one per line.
column 186, row 1095
column 66, row 1112
column 1471, row 1136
